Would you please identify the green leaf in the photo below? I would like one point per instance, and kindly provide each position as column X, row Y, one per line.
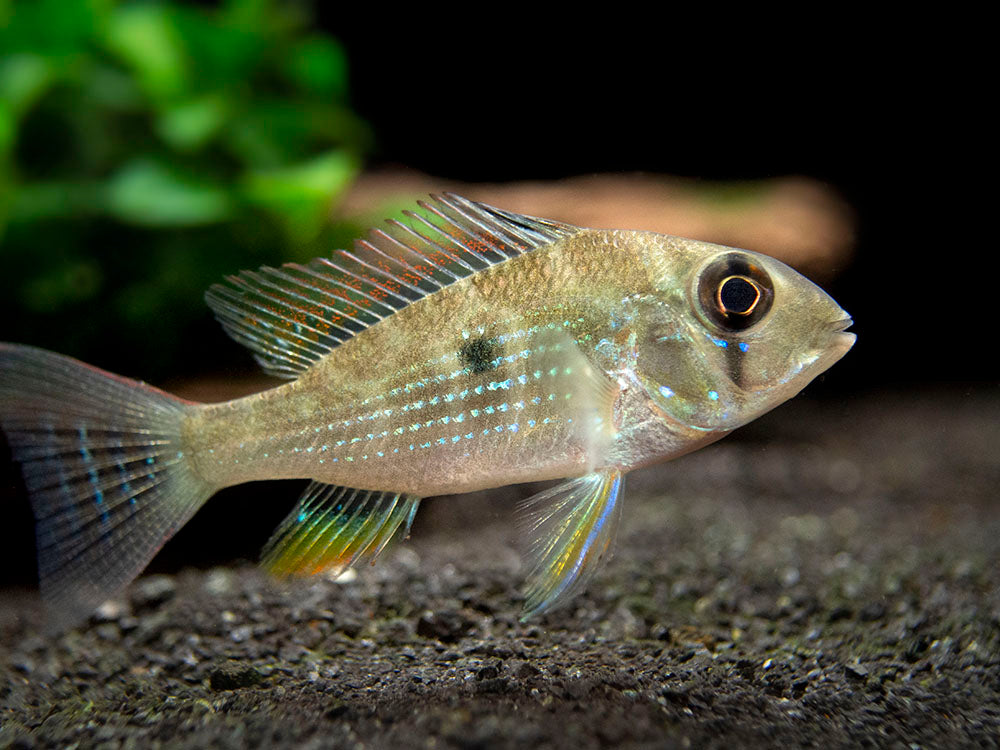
column 8, row 128
column 191, row 124
column 23, row 78
column 318, row 65
column 148, row 193
column 303, row 194
column 58, row 29
column 145, row 37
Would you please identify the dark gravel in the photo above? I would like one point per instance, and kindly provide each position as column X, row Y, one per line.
column 826, row 578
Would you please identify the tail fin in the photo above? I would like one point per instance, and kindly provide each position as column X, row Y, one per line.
column 104, row 466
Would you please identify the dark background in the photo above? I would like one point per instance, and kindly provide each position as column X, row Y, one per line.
column 893, row 126
column 887, row 127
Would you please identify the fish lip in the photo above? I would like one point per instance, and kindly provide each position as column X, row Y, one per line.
column 842, row 325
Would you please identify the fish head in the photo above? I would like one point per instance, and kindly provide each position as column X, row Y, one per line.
column 730, row 334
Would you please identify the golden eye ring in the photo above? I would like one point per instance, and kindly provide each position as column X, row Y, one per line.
column 737, row 295
column 734, row 292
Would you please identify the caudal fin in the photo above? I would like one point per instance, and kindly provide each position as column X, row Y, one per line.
column 105, row 468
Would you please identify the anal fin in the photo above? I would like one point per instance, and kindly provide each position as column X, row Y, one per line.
column 333, row 528
column 572, row 527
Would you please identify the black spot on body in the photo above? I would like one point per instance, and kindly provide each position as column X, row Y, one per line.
column 480, row 354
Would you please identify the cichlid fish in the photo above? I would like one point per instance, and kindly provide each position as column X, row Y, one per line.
column 466, row 348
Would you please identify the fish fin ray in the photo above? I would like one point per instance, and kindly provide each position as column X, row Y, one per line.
column 104, row 466
column 333, row 528
column 291, row 317
column 572, row 527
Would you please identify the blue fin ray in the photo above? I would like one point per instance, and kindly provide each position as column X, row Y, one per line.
column 103, row 462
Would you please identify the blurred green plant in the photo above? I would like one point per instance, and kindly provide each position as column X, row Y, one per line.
column 146, row 149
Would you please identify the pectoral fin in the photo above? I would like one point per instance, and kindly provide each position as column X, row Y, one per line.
column 332, row 528
column 573, row 526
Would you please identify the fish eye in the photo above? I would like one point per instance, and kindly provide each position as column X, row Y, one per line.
column 734, row 292
column 737, row 295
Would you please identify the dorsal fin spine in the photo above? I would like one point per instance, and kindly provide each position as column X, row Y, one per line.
column 340, row 295
column 350, row 293
column 392, row 288
column 471, row 260
column 381, row 310
column 414, row 259
column 482, row 249
column 309, row 308
column 451, row 256
column 519, row 244
column 403, row 262
column 456, row 256
column 389, row 280
column 485, row 233
column 291, row 317
column 259, row 312
column 263, row 288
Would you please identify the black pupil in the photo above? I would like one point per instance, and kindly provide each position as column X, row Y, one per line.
column 738, row 295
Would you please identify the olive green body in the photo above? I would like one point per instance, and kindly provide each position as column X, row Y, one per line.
column 544, row 366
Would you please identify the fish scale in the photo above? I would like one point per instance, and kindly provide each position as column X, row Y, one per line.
column 463, row 348
column 420, row 425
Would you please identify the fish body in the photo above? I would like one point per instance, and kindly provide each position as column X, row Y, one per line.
column 469, row 348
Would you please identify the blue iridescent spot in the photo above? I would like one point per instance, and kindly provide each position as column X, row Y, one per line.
column 713, row 395
column 744, row 346
column 666, row 392
column 721, row 343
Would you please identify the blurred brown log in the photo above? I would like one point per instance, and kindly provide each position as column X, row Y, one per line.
column 798, row 220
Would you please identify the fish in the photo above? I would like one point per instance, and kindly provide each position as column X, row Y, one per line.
column 461, row 348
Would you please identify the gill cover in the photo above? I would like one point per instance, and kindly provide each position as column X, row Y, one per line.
column 695, row 342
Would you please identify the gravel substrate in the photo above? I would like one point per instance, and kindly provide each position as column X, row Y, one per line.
column 828, row 577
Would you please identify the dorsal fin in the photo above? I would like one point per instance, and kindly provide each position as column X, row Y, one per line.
column 294, row 315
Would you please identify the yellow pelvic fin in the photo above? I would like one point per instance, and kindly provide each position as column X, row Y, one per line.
column 572, row 527
column 332, row 528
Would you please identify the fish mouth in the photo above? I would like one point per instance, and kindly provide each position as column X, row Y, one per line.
column 843, row 339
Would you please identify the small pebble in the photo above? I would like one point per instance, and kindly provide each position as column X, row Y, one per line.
column 233, row 676
column 152, row 591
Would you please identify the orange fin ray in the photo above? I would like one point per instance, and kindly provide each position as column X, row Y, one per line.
column 292, row 316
